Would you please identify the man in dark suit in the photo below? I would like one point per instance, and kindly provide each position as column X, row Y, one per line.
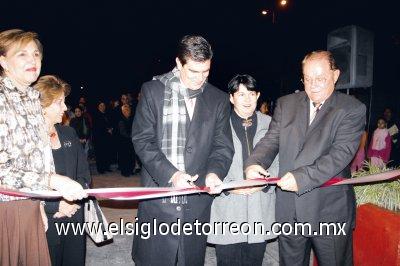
column 317, row 133
column 181, row 134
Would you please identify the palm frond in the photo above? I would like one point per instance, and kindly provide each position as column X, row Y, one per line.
column 384, row 194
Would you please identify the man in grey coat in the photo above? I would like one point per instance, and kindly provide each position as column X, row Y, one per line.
column 182, row 136
column 317, row 133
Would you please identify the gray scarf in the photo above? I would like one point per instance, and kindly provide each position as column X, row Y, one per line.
column 174, row 117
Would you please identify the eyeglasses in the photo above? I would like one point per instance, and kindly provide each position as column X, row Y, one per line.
column 318, row 80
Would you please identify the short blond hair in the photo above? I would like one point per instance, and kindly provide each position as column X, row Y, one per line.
column 50, row 88
column 17, row 38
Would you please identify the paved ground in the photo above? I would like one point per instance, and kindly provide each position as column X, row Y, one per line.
column 118, row 251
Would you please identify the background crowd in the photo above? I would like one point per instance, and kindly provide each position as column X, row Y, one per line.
column 104, row 131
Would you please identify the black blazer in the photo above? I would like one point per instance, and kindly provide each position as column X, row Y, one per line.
column 313, row 154
column 209, row 149
column 76, row 163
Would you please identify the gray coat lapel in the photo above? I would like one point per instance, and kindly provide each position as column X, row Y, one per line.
column 303, row 112
column 300, row 122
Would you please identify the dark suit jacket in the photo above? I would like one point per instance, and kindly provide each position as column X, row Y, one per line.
column 313, row 154
column 209, row 149
column 77, row 168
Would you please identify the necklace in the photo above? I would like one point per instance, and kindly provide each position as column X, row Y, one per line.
column 247, row 122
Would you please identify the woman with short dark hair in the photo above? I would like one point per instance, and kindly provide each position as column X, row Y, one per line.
column 247, row 205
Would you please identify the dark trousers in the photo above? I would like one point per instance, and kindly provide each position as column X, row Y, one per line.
column 126, row 158
column 240, row 254
column 102, row 156
column 329, row 250
column 65, row 250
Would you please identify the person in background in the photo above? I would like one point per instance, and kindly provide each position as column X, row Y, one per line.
column 81, row 126
column 130, row 99
column 138, row 164
column 264, row 108
column 71, row 113
column 393, row 127
column 82, row 101
column 69, row 160
column 126, row 154
column 26, row 161
column 83, row 105
column 124, row 100
column 66, row 119
column 380, row 145
column 247, row 205
column 102, row 137
column 114, row 114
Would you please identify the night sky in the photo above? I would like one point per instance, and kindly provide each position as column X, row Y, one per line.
column 111, row 47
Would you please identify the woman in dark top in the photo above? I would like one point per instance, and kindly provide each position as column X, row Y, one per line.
column 69, row 160
column 126, row 154
column 102, row 137
column 81, row 126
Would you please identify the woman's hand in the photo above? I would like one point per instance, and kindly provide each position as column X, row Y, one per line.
column 213, row 183
column 44, row 217
column 69, row 189
column 66, row 209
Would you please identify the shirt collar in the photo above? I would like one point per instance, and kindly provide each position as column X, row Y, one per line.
column 29, row 91
column 312, row 106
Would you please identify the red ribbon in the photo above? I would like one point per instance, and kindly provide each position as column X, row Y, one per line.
column 139, row 193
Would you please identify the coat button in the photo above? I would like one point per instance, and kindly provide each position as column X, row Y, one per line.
column 178, row 208
column 189, row 149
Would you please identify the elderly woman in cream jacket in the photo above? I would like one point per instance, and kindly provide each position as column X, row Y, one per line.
column 252, row 209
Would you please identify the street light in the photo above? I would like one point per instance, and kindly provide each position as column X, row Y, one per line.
column 266, row 12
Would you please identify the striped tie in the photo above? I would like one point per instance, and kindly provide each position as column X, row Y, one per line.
column 317, row 107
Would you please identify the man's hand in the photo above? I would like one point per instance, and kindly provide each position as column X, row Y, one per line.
column 66, row 209
column 255, row 171
column 213, row 181
column 183, row 180
column 288, row 182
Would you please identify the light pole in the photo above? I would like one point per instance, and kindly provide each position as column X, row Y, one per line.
column 272, row 11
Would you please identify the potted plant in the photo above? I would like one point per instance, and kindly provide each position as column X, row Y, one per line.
column 377, row 233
